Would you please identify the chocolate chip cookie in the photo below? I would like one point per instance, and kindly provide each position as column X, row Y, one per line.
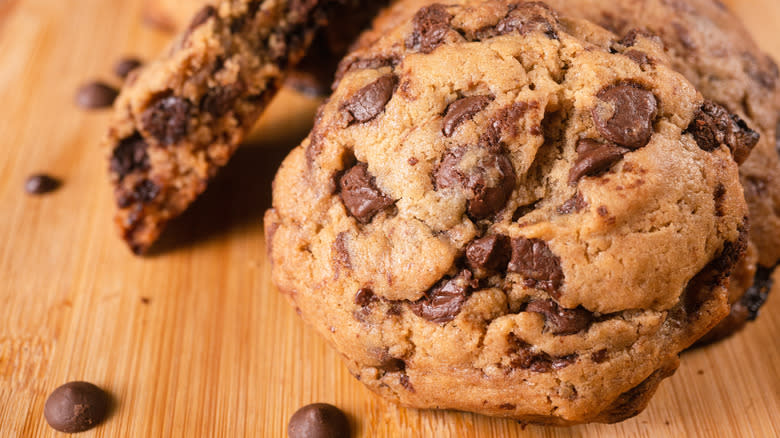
column 502, row 211
column 179, row 119
column 710, row 46
column 314, row 74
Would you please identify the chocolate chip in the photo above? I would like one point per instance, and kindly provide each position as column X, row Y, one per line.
column 318, row 420
column 533, row 259
column 490, row 178
column 370, row 100
column 39, row 184
column 76, row 407
column 431, row 24
column 219, row 100
column 718, row 197
column 167, row 119
column 129, row 156
column 96, row 95
column 638, row 56
column 360, row 194
column 575, row 204
column 624, row 114
column 146, row 191
column 593, row 158
column 462, row 110
column 558, row 320
column 365, row 297
column 505, row 122
column 630, row 38
column 489, row 253
column 443, row 303
column 341, row 257
column 713, row 126
column 599, row 356
column 529, row 17
column 406, row 383
column 523, row 355
column 757, row 294
column 124, row 66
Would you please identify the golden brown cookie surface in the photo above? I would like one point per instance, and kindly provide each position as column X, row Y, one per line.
column 500, row 211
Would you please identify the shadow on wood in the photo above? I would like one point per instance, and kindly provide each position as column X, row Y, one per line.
column 234, row 202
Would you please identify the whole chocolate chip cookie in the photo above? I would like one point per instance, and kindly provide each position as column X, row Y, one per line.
column 501, row 211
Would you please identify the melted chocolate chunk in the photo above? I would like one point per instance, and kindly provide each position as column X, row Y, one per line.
column 431, row 24
column 318, row 420
column 370, row 100
column 490, row 181
column 713, row 126
column 462, row 110
column 443, row 303
column 594, row 158
column 75, row 407
column 533, row 259
column 340, row 252
column 218, row 101
column 524, row 355
column 146, row 191
column 130, row 156
column 599, row 356
column 365, row 297
column 489, row 253
column 638, row 56
column 625, row 113
column 529, row 17
column 167, row 119
column 758, row 293
column 505, row 121
column 576, row 204
column 559, row 320
column 360, row 195
column 406, row 383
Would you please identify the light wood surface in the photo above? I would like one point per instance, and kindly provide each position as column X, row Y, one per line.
column 194, row 341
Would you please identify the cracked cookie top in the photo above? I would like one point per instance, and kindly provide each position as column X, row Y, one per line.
column 498, row 210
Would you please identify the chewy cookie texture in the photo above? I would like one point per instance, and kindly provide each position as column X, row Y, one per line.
column 181, row 117
column 713, row 50
column 509, row 212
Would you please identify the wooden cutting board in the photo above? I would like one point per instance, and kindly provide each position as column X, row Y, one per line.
column 194, row 341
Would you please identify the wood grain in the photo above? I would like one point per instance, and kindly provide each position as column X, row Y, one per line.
column 194, row 341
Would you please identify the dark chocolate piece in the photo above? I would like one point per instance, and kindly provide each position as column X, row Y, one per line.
column 318, row 420
column 76, row 407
